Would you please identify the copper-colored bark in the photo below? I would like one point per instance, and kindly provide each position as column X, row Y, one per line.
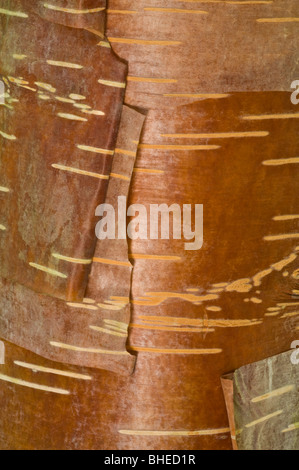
column 92, row 333
column 58, row 120
column 195, row 315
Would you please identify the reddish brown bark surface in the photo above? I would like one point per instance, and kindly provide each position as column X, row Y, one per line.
column 220, row 130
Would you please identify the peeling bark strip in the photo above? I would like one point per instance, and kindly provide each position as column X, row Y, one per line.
column 266, row 404
column 55, row 213
column 80, row 333
column 47, row 223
